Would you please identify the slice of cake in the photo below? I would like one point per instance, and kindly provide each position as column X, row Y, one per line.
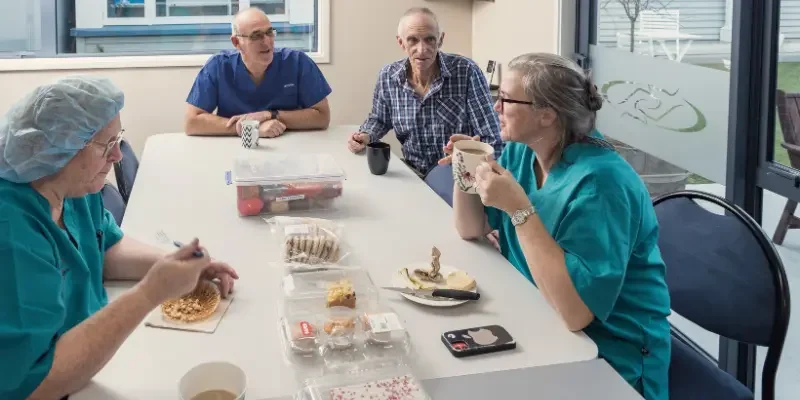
column 341, row 294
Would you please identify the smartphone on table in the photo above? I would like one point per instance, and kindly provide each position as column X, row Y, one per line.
column 480, row 340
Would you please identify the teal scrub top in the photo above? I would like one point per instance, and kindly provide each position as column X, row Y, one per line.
column 599, row 211
column 51, row 279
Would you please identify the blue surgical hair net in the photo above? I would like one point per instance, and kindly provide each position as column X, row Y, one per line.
column 44, row 130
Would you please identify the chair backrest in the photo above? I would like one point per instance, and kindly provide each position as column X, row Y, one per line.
column 789, row 116
column 440, row 179
column 724, row 273
column 113, row 202
column 125, row 170
column 660, row 21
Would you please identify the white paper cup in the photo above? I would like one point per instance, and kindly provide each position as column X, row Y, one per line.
column 467, row 155
column 217, row 375
column 250, row 134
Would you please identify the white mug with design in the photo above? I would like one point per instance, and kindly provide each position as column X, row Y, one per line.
column 250, row 133
column 467, row 155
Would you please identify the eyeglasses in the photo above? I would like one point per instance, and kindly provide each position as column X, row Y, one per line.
column 110, row 145
column 257, row 36
column 504, row 100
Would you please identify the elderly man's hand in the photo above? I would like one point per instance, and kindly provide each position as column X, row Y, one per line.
column 272, row 128
column 357, row 142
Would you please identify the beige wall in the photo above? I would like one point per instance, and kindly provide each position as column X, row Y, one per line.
column 504, row 29
column 362, row 41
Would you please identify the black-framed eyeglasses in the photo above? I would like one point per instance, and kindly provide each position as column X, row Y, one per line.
column 259, row 35
column 503, row 100
column 108, row 147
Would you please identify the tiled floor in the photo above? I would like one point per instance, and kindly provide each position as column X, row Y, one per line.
column 789, row 370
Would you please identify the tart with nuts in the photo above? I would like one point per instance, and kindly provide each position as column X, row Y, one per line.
column 196, row 306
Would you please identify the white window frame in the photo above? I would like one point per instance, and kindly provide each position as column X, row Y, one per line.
column 321, row 56
column 150, row 17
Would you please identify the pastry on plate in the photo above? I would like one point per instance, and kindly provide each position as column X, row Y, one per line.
column 460, row 280
column 432, row 274
column 341, row 294
column 196, row 306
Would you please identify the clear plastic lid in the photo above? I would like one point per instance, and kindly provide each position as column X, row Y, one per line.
column 395, row 382
column 337, row 286
column 278, row 168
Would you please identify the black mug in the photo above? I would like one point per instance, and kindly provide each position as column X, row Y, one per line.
column 378, row 154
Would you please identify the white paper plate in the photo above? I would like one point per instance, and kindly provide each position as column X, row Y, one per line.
column 399, row 280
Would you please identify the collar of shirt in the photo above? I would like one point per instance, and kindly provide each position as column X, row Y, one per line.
column 401, row 75
column 242, row 75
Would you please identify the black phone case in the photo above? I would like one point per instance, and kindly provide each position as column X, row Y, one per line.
column 480, row 340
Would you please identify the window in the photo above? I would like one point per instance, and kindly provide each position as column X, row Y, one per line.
column 42, row 29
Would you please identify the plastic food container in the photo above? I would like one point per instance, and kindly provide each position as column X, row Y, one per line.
column 352, row 288
column 282, row 183
column 390, row 382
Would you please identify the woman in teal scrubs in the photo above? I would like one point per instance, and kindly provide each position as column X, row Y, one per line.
column 58, row 243
column 574, row 218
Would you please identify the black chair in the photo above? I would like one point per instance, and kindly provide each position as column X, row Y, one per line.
column 113, row 202
column 125, row 170
column 724, row 275
column 440, row 179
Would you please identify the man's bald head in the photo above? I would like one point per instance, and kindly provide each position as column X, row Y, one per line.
column 418, row 16
column 249, row 16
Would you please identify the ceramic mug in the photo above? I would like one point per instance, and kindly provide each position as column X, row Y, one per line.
column 213, row 380
column 467, row 155
column 250, row 134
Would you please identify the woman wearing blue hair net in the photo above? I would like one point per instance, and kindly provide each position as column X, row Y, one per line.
column 58, row 243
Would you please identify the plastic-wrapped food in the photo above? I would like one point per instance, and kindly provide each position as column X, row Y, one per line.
column 282, row 183
column 390, row 382
column 308, row 241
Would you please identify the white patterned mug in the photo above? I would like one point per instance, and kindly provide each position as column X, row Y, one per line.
column 467, row 155
column 250, row 134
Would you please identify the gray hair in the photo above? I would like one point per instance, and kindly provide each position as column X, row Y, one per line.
column 558, row 83
column 414, row 11
column 235, row 23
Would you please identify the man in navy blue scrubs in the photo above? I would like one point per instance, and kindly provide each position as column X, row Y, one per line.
column 281, row 88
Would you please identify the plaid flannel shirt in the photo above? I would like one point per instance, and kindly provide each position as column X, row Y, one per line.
column 458, row 102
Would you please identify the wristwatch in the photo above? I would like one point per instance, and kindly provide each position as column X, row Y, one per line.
column 520, row 216
column 273, row 114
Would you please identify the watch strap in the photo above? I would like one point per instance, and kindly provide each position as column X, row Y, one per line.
column 519, row 217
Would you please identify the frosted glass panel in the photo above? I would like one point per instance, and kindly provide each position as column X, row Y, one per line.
column 677, row 112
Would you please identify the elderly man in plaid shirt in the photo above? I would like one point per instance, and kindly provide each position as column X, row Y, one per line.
column 428, row 96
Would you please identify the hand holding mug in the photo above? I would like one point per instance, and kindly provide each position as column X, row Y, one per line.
column 498, row 187
column 358, row 142
column 448, row 148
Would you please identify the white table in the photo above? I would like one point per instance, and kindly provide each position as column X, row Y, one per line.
column 593, row 379
column 391, row 220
